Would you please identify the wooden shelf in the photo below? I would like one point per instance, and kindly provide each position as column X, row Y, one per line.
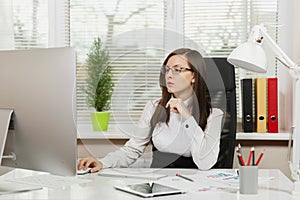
column 262, row 136
column 85, row 131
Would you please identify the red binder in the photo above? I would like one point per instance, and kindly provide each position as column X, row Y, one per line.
column 272, row 105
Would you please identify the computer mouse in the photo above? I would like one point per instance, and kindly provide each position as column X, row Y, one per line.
column 82, row 171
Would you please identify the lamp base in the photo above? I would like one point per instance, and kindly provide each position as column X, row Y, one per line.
column 296, row 189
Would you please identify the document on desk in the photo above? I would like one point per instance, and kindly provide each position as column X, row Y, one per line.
column 204, row 181
column 49, row 181
column 7, row 187
column 210, row 180
column 139, row 173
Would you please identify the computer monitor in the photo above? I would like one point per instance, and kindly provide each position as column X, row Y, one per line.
column 39, row 85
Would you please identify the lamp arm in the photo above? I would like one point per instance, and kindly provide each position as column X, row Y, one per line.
column 295, row 131
column 277, row 50
column 294, row 71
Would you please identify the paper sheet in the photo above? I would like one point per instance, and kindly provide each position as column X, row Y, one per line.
column 217, row 180
column 49, row 181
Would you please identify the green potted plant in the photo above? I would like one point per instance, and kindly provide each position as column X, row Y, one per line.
column 99, row 84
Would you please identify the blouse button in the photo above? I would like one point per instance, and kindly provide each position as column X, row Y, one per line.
column 186, row 126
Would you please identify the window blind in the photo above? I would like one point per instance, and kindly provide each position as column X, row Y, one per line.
column 30, row 18
column 135, row 34
column 132, row 34
column 37, row 23
column 218, row 26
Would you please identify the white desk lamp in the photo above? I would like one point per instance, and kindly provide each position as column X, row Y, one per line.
column 251, row 56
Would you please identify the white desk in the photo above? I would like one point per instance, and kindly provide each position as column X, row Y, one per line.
column 100, row 187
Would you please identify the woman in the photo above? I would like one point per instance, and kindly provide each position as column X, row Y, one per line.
column 182, row 126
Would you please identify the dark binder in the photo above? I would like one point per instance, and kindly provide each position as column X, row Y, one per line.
column 247, row 104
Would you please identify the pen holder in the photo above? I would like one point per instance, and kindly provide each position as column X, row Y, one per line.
column 248, row 179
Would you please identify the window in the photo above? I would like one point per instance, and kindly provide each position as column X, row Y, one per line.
column 216, row 26
column 132, row 32
column 25, row 25
column 137, row 34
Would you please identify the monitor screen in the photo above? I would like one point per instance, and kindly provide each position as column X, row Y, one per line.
column 39, row 85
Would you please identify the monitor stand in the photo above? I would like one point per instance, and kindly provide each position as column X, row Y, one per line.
column 5, row 117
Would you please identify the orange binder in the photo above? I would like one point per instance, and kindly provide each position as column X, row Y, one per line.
column 272, row 105
column 261, row 104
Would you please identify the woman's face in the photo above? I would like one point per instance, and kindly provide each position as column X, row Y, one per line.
column 179, row 83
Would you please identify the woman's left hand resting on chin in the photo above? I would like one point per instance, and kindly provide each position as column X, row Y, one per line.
column 91, row 162
column 177, row 106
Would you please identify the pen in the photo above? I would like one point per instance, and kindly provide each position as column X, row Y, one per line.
column 184, row 177
column 259, row 158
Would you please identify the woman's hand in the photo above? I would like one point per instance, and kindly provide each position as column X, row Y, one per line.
column 91, row 162
column 177, row 106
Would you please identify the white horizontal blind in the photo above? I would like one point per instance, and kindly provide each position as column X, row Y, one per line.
column 30, row 19
column 132, row 31
column 218, row 26
column 36, row 23
column 59, row 23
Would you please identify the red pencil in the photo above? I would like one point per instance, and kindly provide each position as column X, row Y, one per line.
column 250, row 155
column 241, row 160
column 259, row 158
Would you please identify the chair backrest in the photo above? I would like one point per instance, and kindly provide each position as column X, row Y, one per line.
column 220, row 79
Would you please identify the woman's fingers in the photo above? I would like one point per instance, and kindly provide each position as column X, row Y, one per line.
column 91, row 162
column 175, row 105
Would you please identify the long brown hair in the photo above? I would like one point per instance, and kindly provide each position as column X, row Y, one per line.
column 201, row 106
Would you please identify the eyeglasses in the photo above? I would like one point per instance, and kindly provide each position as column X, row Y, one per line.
column 175, row 70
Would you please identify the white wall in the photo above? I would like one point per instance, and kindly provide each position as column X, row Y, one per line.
column 289, row 29
column 295, row 31
column 289, row 42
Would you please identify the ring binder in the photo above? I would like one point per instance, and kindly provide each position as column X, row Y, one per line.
column 261, row 104
column 272, row 105
column 247, row 105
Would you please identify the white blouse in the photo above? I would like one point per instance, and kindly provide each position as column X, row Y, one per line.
column 184, row 138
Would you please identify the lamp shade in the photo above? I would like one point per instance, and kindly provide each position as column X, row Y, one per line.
column 250, row 56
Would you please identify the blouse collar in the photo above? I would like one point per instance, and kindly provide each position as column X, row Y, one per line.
column 188, row 102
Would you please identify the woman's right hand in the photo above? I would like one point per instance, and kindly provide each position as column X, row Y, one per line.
column 91, row 162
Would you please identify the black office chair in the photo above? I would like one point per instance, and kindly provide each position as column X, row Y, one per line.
column 222, row 90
